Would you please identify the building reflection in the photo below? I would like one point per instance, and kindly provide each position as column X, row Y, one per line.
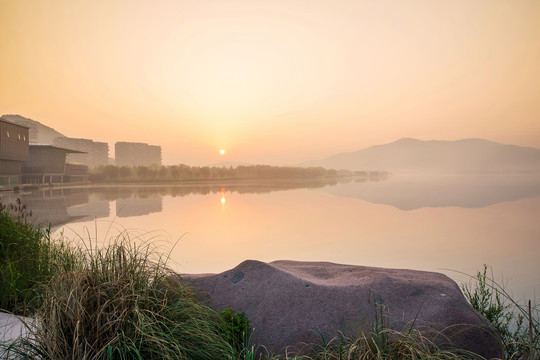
column 60, row 206
column 57, row 207
column 137, row 206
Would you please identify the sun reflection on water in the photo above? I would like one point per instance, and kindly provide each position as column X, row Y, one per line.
column 223, row 200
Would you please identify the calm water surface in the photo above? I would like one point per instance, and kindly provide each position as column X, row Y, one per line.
column 444, row 224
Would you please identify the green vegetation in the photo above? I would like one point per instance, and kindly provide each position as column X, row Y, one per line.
column 28, row 258
column 121, row 301
column 236, row 330
column 193, row 173
column 387, row 344
column 517, row 324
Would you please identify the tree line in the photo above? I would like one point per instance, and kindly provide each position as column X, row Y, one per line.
column 184, row 172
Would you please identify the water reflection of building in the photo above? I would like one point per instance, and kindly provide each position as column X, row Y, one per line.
column 93, row 209
column 60, row 206
column 137, row 206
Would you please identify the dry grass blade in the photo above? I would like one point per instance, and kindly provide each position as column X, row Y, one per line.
column 121, row 303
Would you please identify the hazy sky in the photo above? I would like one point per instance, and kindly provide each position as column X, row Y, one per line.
column 277, row 81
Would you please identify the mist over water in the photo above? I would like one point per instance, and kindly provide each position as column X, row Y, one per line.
column 411, row 191
column 448, row 224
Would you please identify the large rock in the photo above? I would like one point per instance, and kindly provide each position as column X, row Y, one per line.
column 291, row 303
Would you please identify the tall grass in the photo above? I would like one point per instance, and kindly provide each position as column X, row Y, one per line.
column 118, row 301
column 387, row 344
column 122, row 302
column 28, row 258
column 517, row 323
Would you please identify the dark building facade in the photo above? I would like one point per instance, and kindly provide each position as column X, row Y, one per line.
column 37, row 132
column 137, row 154
column 47, row 164
column 14, row 151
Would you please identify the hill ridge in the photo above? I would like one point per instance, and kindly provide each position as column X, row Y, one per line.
column 410, row 154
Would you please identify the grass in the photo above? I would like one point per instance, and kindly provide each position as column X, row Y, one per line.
column 122, row 301
column 387, row 344
column 28, row 258
column 517, row 323
column 118, row 301
column 236, row 330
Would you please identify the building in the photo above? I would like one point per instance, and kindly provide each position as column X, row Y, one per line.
column 154, row 155
column 137, row 154
column 14, row 151
column 38, row 133
column 93, row 154
column 47, row 164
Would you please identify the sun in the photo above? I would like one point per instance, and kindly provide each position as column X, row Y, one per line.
column 222, row 152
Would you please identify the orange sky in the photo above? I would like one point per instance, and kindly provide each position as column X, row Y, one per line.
column 278, row 81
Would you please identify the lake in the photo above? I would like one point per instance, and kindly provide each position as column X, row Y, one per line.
column 448, row 224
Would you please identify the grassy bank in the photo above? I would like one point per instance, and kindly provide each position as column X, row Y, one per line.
column 114, row 302
column 29, row 258
column 517, row 323
column 119, row 302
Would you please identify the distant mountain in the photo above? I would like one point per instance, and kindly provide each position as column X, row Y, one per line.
column 39, row 133
column 407, row 155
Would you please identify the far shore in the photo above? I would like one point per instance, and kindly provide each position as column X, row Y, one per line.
column 135, row 183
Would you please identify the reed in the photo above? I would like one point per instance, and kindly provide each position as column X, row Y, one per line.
column 29, row 257
column 517, row 322
column 121, row 302
column 387, row 344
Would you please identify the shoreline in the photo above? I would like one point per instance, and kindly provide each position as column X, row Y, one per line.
column 185, row 183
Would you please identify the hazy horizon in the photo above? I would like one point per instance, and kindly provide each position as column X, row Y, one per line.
column 276, row 82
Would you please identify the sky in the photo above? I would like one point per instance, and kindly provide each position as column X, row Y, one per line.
column 276, row 82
